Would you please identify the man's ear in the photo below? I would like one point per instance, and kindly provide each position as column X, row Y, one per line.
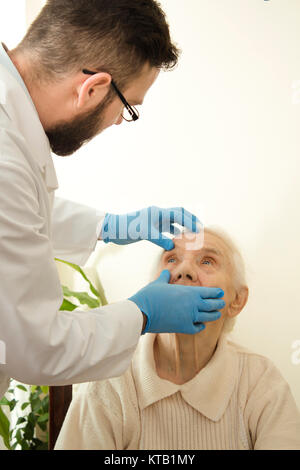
column 239, row 302
column 93, row 90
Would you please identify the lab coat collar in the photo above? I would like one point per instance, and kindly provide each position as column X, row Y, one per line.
column 209, row 392
column 11, row 68
column 22, row 112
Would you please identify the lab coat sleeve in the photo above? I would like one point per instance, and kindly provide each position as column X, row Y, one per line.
column 44, row 345
column 75, row 230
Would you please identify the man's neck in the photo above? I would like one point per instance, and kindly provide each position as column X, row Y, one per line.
column 179, row 358
column 46, row 99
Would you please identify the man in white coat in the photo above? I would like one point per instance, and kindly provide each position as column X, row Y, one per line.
column 81, row 68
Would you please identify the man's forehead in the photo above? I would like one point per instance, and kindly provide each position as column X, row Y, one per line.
column 141, row 84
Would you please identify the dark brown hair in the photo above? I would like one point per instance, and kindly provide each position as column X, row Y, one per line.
column 114, row 36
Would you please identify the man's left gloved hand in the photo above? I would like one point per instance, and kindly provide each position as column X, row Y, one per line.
column 148, row 224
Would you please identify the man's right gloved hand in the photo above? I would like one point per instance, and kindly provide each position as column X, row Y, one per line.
column 177, row 309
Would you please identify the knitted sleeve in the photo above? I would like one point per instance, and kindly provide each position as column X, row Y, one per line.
column 102, row 416
column 271, row 412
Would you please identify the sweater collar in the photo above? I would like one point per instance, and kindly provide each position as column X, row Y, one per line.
column 209, row 392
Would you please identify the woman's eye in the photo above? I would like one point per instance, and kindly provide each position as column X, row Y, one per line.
column 207, row 261
column 171, row 260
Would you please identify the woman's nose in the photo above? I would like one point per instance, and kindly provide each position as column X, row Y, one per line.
column 185, row 273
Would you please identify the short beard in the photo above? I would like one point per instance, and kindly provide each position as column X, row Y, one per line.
column 67, row 137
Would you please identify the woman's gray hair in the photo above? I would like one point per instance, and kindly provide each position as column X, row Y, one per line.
column 239, row 271
column 238, row 265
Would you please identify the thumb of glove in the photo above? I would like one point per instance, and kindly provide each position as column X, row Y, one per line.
column 164, row 277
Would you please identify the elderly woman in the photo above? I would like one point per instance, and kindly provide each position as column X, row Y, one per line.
column 186, row 392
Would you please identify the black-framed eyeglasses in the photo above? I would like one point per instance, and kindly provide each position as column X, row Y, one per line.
column 130, row 113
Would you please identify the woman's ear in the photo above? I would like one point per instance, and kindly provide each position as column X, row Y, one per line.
column 239, row 302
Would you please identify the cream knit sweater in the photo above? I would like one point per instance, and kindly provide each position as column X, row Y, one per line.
column 238, row 401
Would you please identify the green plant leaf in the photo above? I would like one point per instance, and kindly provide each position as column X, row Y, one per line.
column 18, row 436
column 42, row 426
column 32, row 419
column 4, row 428
column 77, row 268
column 22, row 387
column 43, row 418
column 68, row 306
column 83, row 297
column 24, row 405
column 4, row 401
column 28, row 432
column 39, row 445
column 45, row 389
column 21, row 421
column 36, row 404
column 45, row 405
column 25, row 446
column 10, row 403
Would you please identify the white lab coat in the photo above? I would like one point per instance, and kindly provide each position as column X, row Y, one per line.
column 45, row 346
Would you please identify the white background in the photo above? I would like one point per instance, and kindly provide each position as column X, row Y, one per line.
column 219, row 136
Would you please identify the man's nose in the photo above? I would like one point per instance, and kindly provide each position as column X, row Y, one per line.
column 119, row 121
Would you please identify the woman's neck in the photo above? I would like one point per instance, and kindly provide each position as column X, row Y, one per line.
column 180, row 357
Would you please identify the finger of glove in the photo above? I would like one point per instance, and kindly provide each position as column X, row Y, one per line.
column 174, row 230
column 209, row 292
column 161, row 240
column 164, row 276
column 181, row 216
column 211, row 305
column 164, row 224
column 198, row 327
column 203, row 317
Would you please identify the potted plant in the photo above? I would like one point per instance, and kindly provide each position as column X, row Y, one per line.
column 30, row 431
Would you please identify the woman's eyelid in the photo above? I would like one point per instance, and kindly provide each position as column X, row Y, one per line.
column 209, row 258
column 200, row 259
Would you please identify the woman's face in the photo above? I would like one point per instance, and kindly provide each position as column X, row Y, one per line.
column 209, row 265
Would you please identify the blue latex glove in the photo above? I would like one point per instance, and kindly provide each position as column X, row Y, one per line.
column 178, row 309
column 148, row 224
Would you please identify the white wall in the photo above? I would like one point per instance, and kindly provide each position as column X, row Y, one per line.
column 12, row 22
column 33, row 7
column 220, row 136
